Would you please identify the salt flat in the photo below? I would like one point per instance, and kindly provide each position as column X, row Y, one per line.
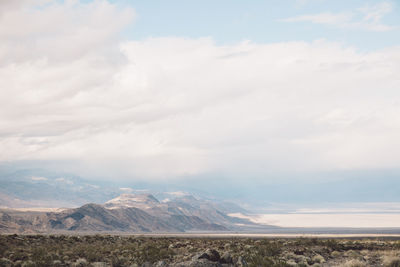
column 334, row 220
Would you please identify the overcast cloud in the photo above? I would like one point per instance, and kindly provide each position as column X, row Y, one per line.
column 73, row 90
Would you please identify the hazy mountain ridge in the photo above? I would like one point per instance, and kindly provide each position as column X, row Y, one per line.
column 187, row 205
column 24, row 194
column 123, row 214
column 42, row 188
column 28, row 188
column 95, row 218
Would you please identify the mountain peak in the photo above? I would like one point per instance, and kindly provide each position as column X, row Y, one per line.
column 142, row 201
column 138, row 197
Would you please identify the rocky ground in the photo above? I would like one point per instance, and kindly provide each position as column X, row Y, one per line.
column 106, row 250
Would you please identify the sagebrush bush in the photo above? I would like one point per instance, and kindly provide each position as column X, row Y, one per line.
column 354, row 263
column 112, row 250
column 318, row 259
column 391, row 261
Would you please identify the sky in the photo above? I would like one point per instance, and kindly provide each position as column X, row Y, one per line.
column 166, row 90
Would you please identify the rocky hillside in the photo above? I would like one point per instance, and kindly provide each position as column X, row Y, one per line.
column 181, row 207
column 126, row 213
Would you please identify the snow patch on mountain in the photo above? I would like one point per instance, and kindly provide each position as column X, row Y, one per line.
column 141, row 201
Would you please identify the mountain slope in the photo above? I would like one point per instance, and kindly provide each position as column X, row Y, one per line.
column 181, row 207
column 93, row 218
column 141, row 201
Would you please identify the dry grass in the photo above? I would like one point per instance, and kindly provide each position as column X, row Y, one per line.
column 354, row 263
column 391, row 259
column 106, row 250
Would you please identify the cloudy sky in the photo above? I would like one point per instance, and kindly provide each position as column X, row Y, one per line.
column 172, row 89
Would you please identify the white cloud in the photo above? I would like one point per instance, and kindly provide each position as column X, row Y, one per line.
column 178, row 194
column 167, row 107
column 375, row 13
column 64, row 180
column 34, row 178
column 366, row 18
column 323, row 18
column 126, row 189
column 31, row 31
column 306, row 2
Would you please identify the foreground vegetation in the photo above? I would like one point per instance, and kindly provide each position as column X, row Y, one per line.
column 107, row 250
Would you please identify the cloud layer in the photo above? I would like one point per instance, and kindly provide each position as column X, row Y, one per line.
column 367, row 18
column 71, row 90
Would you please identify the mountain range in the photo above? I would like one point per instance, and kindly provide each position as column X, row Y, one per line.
column 126, row 213
column 41, row 201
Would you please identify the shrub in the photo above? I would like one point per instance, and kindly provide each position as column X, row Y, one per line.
column 269, row 249
column 81, row 262
column 354, row 263
column 318, row 259
column 41, row 257
column 391, row 261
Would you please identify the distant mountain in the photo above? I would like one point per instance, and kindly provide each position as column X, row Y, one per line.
column 28, row 188
column 42, row 188
column 140, row 201
column 115, row 215
column 187, row 206
column 92, row 217
column 35, row 189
